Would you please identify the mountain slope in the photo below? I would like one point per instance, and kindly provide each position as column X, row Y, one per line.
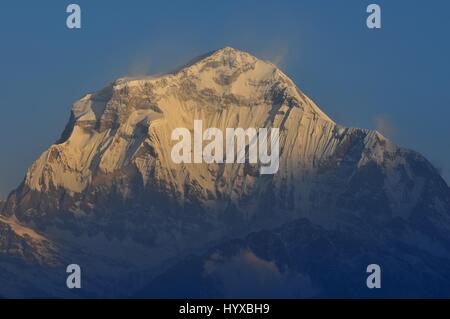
column 303, row 260
column 110, row 178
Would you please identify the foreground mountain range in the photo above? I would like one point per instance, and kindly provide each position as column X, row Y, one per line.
column 108, row 196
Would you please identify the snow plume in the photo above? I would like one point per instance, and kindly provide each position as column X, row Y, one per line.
column 383, row 124
column 140, row 65
column 277, row 55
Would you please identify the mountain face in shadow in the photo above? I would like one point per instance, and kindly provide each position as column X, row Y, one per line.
column 108, row 196
column 303, row 260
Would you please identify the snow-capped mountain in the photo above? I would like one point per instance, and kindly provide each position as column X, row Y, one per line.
column 108, row 191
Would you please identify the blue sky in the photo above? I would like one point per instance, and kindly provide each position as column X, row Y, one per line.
column 396, row 79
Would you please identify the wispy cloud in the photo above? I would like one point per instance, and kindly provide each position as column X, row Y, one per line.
column 277, row 55
column 246, row 275
column 383, row 124
column 140, row 65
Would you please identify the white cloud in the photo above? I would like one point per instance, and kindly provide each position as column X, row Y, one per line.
column 246, row 275
column 384, row 125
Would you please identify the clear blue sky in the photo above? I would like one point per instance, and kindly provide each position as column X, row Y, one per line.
column 396, row 78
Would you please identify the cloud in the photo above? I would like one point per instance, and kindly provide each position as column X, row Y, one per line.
column 384, row 125
column 246, row 275
column 277, row 55
column 140, row 65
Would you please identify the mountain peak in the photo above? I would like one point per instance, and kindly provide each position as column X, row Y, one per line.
column 228, row 57
column 228, row 49
column 110, row 130
column 230, row 52
column 215, row 80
